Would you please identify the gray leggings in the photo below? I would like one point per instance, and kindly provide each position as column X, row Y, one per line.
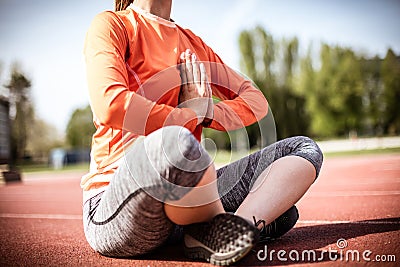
column 128, row 218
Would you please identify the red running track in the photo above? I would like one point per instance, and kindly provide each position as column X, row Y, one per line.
column 351, row 216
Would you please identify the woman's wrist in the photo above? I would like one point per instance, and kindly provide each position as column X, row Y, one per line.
column 207, row 122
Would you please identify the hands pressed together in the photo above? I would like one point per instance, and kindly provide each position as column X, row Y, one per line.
column 196, row 92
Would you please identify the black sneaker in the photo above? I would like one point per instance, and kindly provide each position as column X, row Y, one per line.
column 279, row 226
column 223, row 241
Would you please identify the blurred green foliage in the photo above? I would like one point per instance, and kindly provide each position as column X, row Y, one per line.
column 31, row 137
column 21, row 109
column 80, row 128
column 337, row 94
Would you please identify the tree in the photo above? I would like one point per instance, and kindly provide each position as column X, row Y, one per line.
column 334, row 100
column 247, row 54
column 373, row 102
column 257, row 56
column 305, row 86
column 292, row 119
column 275, row 77
column 391, row 93
column 257, row 50
column 348, row 94
column 42, row 137
column 21, row 109
column 80, row 128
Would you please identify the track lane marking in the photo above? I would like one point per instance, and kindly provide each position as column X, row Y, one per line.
column 352, row 193
column 41, row 216
column 389, row 221
column 79, row 217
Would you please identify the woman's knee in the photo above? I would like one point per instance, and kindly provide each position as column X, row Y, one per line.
column 304, row 147
column 170, row 138
column 179, row 157
column 175, row 145
column 310, row 150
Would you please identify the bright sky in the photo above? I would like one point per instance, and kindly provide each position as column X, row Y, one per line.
column 47, row 37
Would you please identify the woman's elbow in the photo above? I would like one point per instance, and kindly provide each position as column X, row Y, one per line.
column 261, row 108
column 109, row 117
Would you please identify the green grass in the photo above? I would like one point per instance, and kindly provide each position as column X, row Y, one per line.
column 224, row 157
column 395, row 150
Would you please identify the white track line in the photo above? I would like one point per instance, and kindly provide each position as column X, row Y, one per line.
column 353, row 193
column 41, row 216
column 389, row 221
column 367, row 222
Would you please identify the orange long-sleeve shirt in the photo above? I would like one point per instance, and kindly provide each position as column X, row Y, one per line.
column 133, row 80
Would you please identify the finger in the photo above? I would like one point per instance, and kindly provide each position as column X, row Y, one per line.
column 210, row 110
column 209, row 90
column 182, row 69
column 189, row 68
column 203, row 80
column 182, row 58
column 208, row 85
column 196, row 73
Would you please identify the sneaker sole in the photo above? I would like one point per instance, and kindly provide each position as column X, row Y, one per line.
column 227, row 240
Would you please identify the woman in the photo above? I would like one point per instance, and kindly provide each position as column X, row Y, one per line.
column 150, row 85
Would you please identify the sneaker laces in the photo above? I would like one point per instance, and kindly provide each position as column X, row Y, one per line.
column 266, row 229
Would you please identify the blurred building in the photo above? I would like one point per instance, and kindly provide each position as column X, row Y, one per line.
column 5, row 132
column 60, row 157
column 6, row 175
